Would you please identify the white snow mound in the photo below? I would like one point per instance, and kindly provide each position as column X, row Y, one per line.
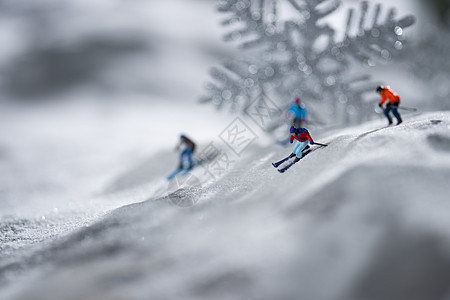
column 365, row 218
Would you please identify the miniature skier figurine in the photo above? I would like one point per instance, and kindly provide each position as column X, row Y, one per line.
column 297, row 116
column 299, row 113
column 186, row 153
column 393, row 101
column 186, row 162
column 302, row 137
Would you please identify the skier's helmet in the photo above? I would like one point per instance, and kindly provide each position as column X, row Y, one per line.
column 379, row 89
column 182, row 136
column 297, row 101
column 293, row 129
column 303, row 130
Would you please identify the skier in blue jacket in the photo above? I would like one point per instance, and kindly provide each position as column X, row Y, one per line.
column 298, row 113
column 186, row 152
column 186, row 163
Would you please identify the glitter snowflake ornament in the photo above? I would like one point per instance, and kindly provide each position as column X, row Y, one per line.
column 289, row 50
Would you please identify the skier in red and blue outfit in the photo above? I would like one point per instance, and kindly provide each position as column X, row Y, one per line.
column 302, row 138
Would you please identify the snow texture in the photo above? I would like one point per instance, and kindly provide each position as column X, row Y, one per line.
column 364, row 218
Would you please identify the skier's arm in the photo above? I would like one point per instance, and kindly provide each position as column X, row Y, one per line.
column 293, row 131
column 289, row 112
column 310, row 139
column 383, row 99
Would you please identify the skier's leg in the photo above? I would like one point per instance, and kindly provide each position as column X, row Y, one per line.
column 396, row 114
column 297, row 144
column 183, row 153
column 387, row 110
column 189, row 158
column 180, row 166
column 299, row 149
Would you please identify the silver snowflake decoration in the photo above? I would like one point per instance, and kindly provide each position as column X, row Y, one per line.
column 288, row 50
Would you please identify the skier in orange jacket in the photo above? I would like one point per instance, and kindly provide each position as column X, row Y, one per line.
column 393, row 100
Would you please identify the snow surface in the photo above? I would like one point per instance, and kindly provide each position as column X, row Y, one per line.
column 364, row 218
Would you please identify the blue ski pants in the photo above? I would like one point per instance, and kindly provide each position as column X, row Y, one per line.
column 392, row 108
column 299, row 147
column 186, row 158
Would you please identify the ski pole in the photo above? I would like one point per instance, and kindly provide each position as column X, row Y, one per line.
column 407, row 108
column 323, row 145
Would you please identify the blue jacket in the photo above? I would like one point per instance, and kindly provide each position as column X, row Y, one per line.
column 299, row 112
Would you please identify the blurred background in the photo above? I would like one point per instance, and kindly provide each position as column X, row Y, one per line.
column 89, row 87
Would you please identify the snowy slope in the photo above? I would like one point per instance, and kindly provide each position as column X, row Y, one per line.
column 103, row 100
column 364, row 218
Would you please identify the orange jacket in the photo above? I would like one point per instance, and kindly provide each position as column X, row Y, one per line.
column 387, row 94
